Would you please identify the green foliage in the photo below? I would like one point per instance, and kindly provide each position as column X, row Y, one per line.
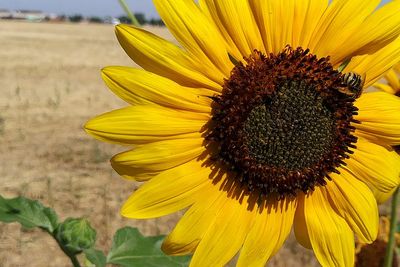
column 76, row 234
column 156, row 22
column 29, row 213
column 95, row 19
column 125, row 19
column 141, row 18
column 96, row 257
column 131, row 248
column 75, row 18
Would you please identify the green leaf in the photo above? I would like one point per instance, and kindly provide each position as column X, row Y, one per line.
column 130, row 248
column 96, row 257
column 29, row 213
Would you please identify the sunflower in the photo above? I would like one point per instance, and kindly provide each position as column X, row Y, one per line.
column 250, row 126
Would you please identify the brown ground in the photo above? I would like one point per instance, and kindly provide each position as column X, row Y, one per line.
column 50, row 86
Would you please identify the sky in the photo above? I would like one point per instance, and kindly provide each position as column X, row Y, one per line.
column 85, row 7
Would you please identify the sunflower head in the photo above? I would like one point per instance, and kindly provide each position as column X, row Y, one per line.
column 250, row 125
column 282, row 123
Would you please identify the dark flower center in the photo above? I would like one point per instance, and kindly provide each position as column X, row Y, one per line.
column 282, row 123
column 293, row 129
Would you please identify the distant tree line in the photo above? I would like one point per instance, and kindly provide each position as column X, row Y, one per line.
column 75, row 18
column 142, row 20
column 123, row 19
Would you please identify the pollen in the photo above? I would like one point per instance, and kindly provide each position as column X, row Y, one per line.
column 282, row 123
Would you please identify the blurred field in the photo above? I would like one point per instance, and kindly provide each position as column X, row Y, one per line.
column 50, row 86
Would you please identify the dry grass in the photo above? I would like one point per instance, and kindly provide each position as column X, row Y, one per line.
column 50, row 86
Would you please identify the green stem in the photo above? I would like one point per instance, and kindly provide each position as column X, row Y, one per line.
column 74, row 260
column 129, row 13
column 393, row 225
column 66, row 251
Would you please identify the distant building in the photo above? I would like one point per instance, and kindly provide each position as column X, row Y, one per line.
column 39, row 16
column 52, row 17
column 5, row 14
column 112, row 20
column 31, row 15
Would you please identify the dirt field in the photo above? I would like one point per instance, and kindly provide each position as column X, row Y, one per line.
column 50, row 86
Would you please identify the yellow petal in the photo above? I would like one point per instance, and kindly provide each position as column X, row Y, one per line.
column 144, row 124
column 164, row 58
column 271, row 227
column 379, row 113
column 191, row 227
column 196, row 33
column 331, row 238
column 145, row 161
column 338, row 23
column 225, row 236
column 168, row 192
column 283, row 22
column 375, row 165
column 209, row 9
column 300, row 226
column 385, row 87
column 377, row 64
column 393, row 78
column 377, row 31
column 137, row 86
column 382, row 197
column 354, row 201
column 306, row 17
column 275, row 21
column 237, row 18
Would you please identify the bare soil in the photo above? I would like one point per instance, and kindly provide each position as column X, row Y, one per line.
column 50, row 86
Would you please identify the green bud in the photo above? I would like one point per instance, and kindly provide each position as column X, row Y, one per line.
column 76, row 234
